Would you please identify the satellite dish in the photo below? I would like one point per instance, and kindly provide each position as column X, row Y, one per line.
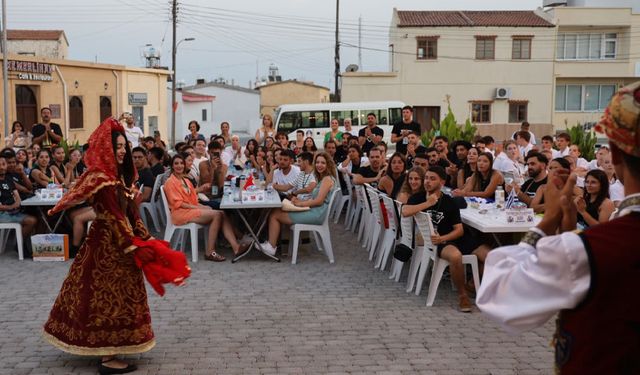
column 352, row 68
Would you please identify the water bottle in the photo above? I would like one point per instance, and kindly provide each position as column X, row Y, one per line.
column 499, row 198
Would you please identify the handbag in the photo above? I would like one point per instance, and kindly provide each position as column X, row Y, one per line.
column 402, row 252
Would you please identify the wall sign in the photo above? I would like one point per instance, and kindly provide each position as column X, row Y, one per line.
column 137, row 98
column 31, row 71
column 55, row 110
column 35, row 77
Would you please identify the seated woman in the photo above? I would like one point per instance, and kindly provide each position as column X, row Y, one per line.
column 392, row 181
column 309, row 145
column 74, row 168
column 41, row 173
column 469, row 167
column 183, row 203
column 510, row 161
column 324, row 171
column 413, row 184
column 594, row 206
column 250, row 152
column 57, row 163
column 484, row 182
column 335, row 133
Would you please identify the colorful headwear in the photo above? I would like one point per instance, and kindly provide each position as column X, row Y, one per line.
column 621, row 120
column 102, row 168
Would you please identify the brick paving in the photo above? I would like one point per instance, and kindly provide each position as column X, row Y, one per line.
column 262, row 317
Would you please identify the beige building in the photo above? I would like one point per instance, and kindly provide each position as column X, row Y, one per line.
column 82, row 94
column 275, row 94
column 41, row 43
column 597, row 51
column 495, row 66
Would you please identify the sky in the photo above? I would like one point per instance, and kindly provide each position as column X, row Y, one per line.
column 234, row 40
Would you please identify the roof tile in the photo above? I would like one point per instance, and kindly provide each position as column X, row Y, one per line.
column 499, row 18
column 34, row 34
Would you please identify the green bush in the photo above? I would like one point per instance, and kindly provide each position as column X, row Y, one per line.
column 585, row 139
column 67, row 146
column 450, row 128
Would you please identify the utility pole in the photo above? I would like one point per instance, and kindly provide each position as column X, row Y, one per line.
column 174, row 14
column 360, row 42
column 5, row 69
column 337, row 57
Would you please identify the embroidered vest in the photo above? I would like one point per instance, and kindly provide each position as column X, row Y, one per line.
column 602, row 334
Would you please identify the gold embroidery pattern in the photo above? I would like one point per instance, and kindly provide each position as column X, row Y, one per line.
column 103, row 302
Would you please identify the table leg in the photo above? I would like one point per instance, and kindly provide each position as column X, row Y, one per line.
column 262, row 220
column 44, row 218
column 495, row 237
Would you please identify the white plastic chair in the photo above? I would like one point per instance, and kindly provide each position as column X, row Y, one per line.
column 428, row 253
column 406, row 238
column 5, row 229
column 149, row 208
column 365, row 216
column 357, row 212
column 322, row 234
column 377, row 224
column 191, row 227
column 390, row 233
column 342, row 200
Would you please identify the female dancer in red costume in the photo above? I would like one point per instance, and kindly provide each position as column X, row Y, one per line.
column 102, row 307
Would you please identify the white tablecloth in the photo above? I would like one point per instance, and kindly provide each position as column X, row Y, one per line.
column 494, row 221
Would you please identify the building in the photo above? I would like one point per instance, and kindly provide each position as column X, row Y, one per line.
column 275, row 94
column 495, row 67
column 41, row 43
column 81, row 94
column 597, row 51
column 211, row 103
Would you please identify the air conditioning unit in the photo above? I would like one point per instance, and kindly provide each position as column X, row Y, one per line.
column 503, row 93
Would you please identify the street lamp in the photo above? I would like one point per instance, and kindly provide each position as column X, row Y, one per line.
column 173, row 90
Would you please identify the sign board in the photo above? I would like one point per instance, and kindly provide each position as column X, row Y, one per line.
column 138, row 98
column 30, row 70
column 55, row 110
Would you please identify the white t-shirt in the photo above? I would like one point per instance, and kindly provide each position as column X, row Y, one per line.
column 582, row 163
column 532, row 140
column 593, row 164
column 286, row 179
column 508, row 166
column 616, row 191
column 562, row 153
column 133, row 135
column 231, row 157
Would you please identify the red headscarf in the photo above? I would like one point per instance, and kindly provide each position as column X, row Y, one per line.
column 102, row 168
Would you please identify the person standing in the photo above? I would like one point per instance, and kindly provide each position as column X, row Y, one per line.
column 266, row 130
column 402, row 129
column 134, row 133
column 583, row 277
column 102, row 307
column 194, row 128
column 46, row 133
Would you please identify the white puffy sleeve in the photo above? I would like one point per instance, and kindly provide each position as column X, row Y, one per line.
column 523, row 286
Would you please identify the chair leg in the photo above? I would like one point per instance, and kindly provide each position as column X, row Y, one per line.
column 318, row 241
column 424, row 268
column 414, row 266
column 19, row 243
column 396, row 270
column 374, row 241
column 3, row 239
column 439, row 267
column 194, row 244
column 326, row 239
column 294, row 242
column 387, row 245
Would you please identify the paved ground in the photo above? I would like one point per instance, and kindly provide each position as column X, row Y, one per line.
column 261, row 317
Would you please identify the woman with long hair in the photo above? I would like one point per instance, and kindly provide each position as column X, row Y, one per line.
column 183, row 203
column 510, row 161
column 324, row 171
column 393, row 179
column 594, row 206
column 42, row 173
column 225, row 133
column 309, row 145
column 22, row 157
column 250, row 152
column 484, row 181
column 335, row 133
column 19, row 138
column 266, row 130
column 616, row 189
column 469, row 166
column 102, row 307
column 413, row 184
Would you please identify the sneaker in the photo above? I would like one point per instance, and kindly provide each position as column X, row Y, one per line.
column 464, row 305
column 267, row 248
column 246, row 239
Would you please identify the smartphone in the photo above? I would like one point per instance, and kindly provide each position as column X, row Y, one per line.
column 156, row 133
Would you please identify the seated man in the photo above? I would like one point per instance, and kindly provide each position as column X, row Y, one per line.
column 286, row 174
column 449, row 236
column 234, row 155
column 213, row 173
column 422, row 161
column 156, row 157
column 537, row 170
column 372, row 173
column 10, row 202
column 306, row 181
column 145, row 176
column 414, row 147
column 17, row 174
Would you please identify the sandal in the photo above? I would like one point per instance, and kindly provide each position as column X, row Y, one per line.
column 105, row 370
column 214, row 257
column 243, row 248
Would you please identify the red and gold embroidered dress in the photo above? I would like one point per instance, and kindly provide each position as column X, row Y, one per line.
column 102, row 306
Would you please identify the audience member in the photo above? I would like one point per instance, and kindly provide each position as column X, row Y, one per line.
column 523, row 141
column 57, row 163
column 394, row 178
column 309, row 145
column 41, row 174
column 484, row 181
column 468, row 167
column 511, row 163
column 594, row 206
column 74, row 167
column 449, row 236
column 133, row 133
column 145, row 180
column 616, row 189
column 19, row 138
column 194, row 134
column 304, row 184
column 413, row 184
column 372, row 173
column 324, row 171
column 266, row 130
column 225, row 133
column 234, row 156
column 548, row 145
column 537, row 170
column 563, row 141
column 525, row 127
column 401, row 129
column 17, row 174
column 156, row 156
column 371, row 135
column 286, row 173
column 46, row 133
column 213, row 173
column 334, row 134
column 598, row 161
column 10, row 202
column 348, row 128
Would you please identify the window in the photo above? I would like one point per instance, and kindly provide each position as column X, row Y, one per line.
column 204, row 115
column 105, row 107
column 291, row 121
column 481, row 112
column 521, row 49
column 76, row 114
column 349, row 113
column 427, row 48
column 586, row 46
column 485, row 47
column 518, row 112
column 583, row 98
column 382, row 116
